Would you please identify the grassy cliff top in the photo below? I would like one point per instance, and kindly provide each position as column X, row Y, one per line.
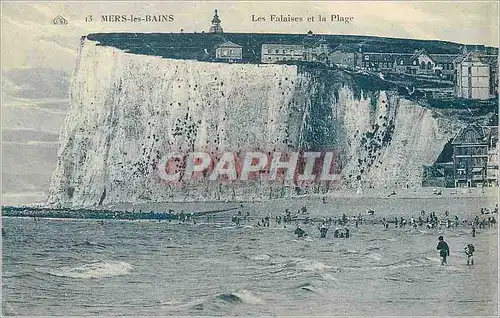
column 196, row 45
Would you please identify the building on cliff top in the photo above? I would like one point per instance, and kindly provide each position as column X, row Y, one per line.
column 418, row 63
column 311, row 49
column 345, row 56
column 444, row 67
column 272, row 53
column 229, row 51
column 474, row 156
column 216, row 28
column 424, row 61
column 316, row 50
column 476, row 76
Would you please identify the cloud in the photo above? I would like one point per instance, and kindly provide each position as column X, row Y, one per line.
column 27, row 136
column 23, row 198
column 29, row 39
column 34, row 118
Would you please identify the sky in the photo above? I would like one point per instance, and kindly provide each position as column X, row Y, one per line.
column 38, row 57
column 30, row 39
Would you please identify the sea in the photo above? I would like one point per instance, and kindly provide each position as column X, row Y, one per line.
column 77, row 267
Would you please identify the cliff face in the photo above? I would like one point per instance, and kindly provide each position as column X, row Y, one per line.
column 128, row 110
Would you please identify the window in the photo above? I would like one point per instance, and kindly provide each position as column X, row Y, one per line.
column 269, row 51
column 277, row 51
column 401, row 62
column 284, row 51
column 493, row 87
column 231, row 51
column 429, row 65
column 367, row 58
column 414, row 62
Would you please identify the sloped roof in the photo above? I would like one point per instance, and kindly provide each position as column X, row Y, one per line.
column 480, row 57
column 479, row 135
column 229, row 44
column 421, row 52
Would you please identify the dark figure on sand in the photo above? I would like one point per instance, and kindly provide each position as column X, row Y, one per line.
column 444, row 250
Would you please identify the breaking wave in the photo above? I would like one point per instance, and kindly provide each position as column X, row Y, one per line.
column 261, row 257
column 407, row 263
column 99, row 269
column 375, row 256
column 314, row 266
column 346, row 251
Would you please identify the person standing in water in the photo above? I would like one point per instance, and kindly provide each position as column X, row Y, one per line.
column 300, row 232
column 469, row 251
column 322, row 230
column 444, row 250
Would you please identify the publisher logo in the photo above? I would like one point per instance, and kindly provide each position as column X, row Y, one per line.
column 59, row 20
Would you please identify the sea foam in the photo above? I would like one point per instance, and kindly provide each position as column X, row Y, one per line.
column 99, row 269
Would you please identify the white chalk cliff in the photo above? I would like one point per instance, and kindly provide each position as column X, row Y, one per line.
column 128, row 110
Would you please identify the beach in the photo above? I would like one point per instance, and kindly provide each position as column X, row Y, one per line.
column 82, row 267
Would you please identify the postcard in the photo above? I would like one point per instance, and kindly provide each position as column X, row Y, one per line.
column 249, row 158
